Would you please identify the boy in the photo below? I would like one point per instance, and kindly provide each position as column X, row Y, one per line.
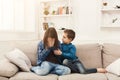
column 68, row 52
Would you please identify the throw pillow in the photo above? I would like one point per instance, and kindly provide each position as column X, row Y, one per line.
column 114, row 67
column 7, row 69
column 20, row 59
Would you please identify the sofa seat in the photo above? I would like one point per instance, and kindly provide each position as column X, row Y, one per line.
column 112, row 76
column 3, row 78
column 94, row 76
column 32, row 76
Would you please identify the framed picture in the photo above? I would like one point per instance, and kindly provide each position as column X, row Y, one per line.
column 45, row 26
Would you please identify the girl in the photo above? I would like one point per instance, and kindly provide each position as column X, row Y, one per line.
column 47, row 62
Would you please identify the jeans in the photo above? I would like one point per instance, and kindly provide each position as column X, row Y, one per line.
column 50, row 68
column 76, row 66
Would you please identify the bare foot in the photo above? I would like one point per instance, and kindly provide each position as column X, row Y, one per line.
column 101, row 70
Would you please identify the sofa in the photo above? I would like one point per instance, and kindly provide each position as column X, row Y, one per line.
column 93, row 55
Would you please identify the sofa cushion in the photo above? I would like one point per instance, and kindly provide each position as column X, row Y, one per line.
column 94, row 76
column 32, row 76
column 3, row 78
column 7, row 69
column 29, row 48
column 111, row 52
column 112, row 76
column 20, row 59
column 90, row 55
column 114, row 67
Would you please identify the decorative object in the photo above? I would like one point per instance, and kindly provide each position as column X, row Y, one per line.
column 67, row 10
column 62, row 28
column 114, row 20
column 45, row 26
column 46, row 12
column 46, row 8
column 53, row 12
column 117, row 6
column 51, row 24
column 105, row 3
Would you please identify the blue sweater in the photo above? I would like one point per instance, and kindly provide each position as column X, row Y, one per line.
column 68, row 51
column 43, row 53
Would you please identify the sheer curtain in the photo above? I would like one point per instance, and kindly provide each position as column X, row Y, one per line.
column 17, row 15
column 18, row 20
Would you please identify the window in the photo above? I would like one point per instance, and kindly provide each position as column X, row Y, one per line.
column 17, row 15
column 17, row 20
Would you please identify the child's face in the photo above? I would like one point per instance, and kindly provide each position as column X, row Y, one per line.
column 65, row 39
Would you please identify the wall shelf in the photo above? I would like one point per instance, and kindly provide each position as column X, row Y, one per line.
column 55, row 13
column 110, row 13
column 110, row 26
column 107, row 10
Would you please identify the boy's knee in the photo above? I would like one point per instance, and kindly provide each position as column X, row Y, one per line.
column 65, row 61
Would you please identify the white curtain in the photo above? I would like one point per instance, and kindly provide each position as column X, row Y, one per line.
column 17, row 15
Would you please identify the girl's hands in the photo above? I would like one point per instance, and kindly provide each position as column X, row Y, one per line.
column 51, row 42
column 57, row 52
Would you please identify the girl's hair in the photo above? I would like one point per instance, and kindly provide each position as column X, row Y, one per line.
column 70, row 33
column 51, row 33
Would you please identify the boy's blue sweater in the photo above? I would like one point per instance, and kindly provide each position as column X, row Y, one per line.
column 68, row 51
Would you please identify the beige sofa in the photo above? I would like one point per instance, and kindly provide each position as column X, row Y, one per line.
column 92, row 56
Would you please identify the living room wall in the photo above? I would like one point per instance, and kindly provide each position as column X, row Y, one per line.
column 86, row 23
column 86, row 17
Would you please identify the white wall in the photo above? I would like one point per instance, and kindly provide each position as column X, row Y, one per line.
column 86, row 17
column 86, row 23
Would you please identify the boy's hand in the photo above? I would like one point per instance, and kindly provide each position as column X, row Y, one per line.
column 57, row 52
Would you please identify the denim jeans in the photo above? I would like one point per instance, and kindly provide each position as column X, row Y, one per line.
column 76, row 66
column 48, row 67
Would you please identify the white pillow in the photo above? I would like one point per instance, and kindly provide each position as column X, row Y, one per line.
column 114, row 67
column 20, row 59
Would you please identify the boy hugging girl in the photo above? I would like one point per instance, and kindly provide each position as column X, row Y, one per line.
column 59, row 58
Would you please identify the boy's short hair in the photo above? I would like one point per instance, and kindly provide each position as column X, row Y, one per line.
column 70, row 33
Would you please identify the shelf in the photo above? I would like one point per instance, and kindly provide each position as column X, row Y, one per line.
column 63, row 15
column 105, row 10
column 55, row 13
column 114, row 26
column 46, row 1
column 110, row 14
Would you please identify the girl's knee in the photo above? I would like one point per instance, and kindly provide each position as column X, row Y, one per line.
column 68, row 71
column 41, row 72
column 45, row 64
